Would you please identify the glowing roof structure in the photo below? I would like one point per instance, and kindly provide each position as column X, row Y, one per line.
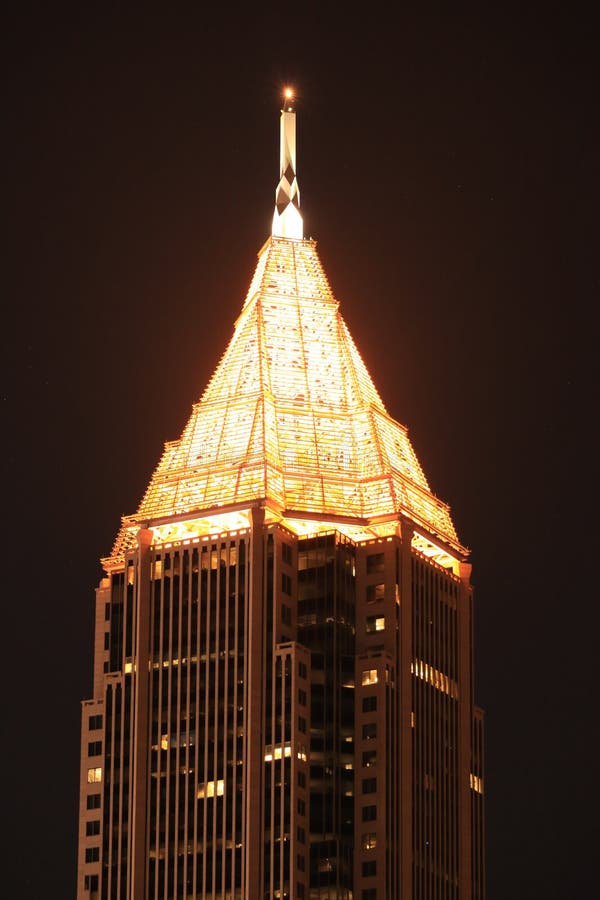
column 290, row 419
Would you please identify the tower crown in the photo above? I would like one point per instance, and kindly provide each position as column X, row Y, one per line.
column 287, row 221
column 291, row 419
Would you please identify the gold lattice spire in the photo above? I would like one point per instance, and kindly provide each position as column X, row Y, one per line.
column 290, row 420
column 287, row 221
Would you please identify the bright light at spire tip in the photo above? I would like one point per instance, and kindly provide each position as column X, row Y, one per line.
column 288, row 95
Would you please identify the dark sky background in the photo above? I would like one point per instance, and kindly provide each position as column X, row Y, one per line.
column 448, row 167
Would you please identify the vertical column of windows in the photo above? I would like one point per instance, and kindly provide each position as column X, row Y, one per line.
column 435, row 731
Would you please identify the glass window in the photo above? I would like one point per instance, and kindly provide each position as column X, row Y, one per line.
column 369, row 785
column 374, row 623
column 375, row 563
column 369, row 813
column 94, row 775
column 369, row 676
column 369, row 731
column 369, row 868
column 369, row 841
column 369, row 704
column 369, row 758
column 375, row 592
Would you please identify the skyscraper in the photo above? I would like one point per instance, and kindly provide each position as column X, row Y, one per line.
column 283, row 683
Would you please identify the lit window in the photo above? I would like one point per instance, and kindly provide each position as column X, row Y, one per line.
column 369, row 676
column 369, row 758
column 476, row 783
column 94, row 775
column 211, row 789
column 375, row 623
column 369, row 840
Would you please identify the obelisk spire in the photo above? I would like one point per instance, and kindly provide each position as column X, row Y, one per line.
column 287, row 221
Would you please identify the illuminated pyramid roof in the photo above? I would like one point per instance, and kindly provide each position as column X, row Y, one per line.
column 290, row 418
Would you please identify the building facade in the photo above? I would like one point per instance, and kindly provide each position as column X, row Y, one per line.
column 283, row 702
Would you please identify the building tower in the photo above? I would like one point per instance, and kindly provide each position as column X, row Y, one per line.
column 283, row 683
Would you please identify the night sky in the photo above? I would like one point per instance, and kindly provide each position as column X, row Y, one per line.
column 448, row 167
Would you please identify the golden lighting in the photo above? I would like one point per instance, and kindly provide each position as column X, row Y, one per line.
column 435, row 678
column 476, row 783
column 211, row 789
column 291, row 421
column 278, row 752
